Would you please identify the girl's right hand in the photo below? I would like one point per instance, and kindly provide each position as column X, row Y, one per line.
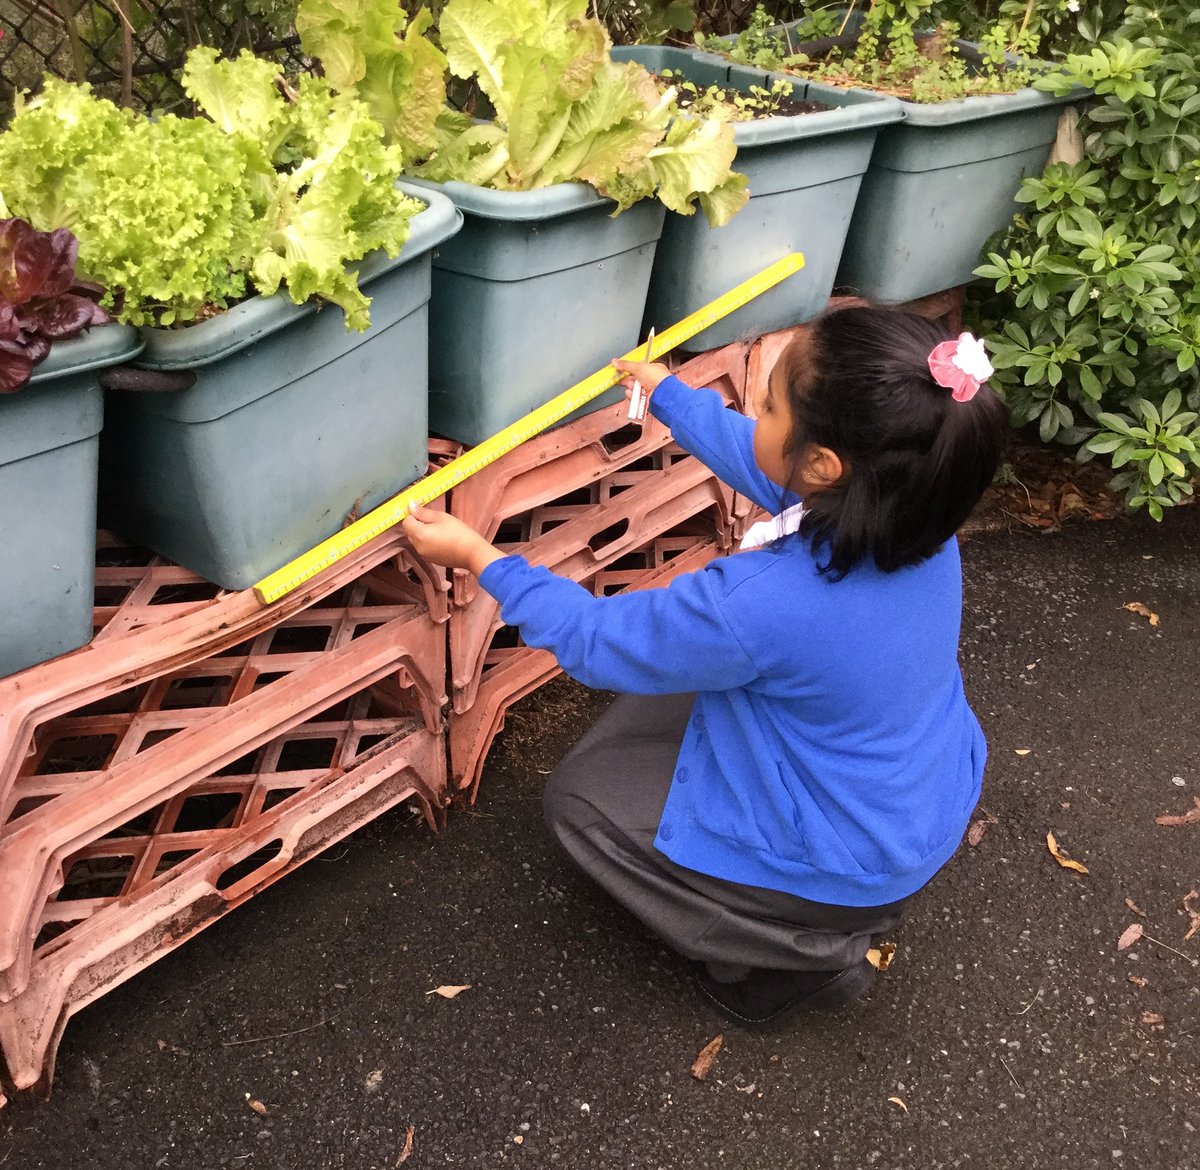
column 649, row 374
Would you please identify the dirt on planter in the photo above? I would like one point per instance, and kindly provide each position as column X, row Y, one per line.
column 734, row 105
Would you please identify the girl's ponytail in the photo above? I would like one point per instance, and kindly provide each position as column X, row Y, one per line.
column 919, row 456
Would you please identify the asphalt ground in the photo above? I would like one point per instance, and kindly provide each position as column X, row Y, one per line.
column 1011, row 1031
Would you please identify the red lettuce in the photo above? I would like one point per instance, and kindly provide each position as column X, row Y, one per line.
column 40, row 300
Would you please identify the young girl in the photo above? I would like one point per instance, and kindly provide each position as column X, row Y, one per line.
column 792, row 756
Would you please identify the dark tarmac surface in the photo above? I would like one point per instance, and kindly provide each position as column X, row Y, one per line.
column 1010, row 1027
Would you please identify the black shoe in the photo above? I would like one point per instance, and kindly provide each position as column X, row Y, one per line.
column 765, row 998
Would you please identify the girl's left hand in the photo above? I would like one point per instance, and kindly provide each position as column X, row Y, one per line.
column 446, row 540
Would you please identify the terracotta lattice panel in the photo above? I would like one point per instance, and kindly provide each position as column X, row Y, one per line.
column 153, row 617
column 511, row 670
column 113, row 761
column 148, row 885
column 572, row 457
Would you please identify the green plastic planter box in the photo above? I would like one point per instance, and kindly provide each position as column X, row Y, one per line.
column 539, row 290
column 941, row 181
column 804, row 174
column 292, row 423
column 49, row 445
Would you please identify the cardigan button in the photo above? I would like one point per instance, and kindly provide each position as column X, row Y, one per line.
column 682, row 776
column 665, row 832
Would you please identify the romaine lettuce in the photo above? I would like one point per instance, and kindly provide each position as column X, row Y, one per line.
column 563, row 109
column 371, row 49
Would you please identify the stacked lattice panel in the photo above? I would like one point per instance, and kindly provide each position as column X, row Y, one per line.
column 140, row 817
column 152, row 767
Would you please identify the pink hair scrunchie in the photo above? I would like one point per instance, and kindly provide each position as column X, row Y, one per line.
column 961, row 366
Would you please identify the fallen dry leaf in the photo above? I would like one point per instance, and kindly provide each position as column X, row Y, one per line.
column 704, row 1062
column 449, row 990
column 979, row 826
column 1022, row 751
column 257, row 1106
column 880, row 957
column 1062, row 860
column 897, row 1101
column 1138, row 980
column 1193, row 914
column 1153, row 1019
column 1134, row 907
column 404, row 1153
column 519, row 1139
column 1129, row 936
column 1191, row 817
column 1145, row 611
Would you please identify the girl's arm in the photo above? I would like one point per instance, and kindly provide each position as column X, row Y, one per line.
column 722, row 439
column 650, row 642
column 657, row 641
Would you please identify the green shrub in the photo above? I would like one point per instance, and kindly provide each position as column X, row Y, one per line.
column 1094, row 311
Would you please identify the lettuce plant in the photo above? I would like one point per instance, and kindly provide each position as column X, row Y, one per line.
column 322, row 179
column 179, row 217
column 562, row 109
column 371, row 48
column 40, row 300
column 161, row 209
column 565, row 110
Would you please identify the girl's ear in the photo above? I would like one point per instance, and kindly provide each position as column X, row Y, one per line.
column 823, row 467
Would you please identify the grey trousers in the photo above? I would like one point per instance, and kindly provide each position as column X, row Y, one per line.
column 603, row 804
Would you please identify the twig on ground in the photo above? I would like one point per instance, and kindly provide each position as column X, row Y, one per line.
column 1031, row 1002
column 1010, row 1073
column 1157, row 943
column 297, row 1031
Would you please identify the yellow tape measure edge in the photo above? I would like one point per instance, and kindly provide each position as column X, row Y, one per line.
column 354, row 536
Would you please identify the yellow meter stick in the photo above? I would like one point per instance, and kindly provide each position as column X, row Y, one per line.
column 354, row 536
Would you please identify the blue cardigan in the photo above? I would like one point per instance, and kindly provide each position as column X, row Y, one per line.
column 831, row 752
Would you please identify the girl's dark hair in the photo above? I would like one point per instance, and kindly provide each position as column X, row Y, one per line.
column 858, row 381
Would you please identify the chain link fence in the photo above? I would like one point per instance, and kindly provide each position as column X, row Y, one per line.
column 131, row 50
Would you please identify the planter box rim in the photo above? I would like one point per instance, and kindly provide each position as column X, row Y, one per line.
column 541, row 203
column 244, row 324
column 97, row 347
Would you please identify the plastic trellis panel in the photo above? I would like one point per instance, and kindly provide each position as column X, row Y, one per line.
column 577, row 454
column 102, row 767
column 512, row 670
column 146, row 887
